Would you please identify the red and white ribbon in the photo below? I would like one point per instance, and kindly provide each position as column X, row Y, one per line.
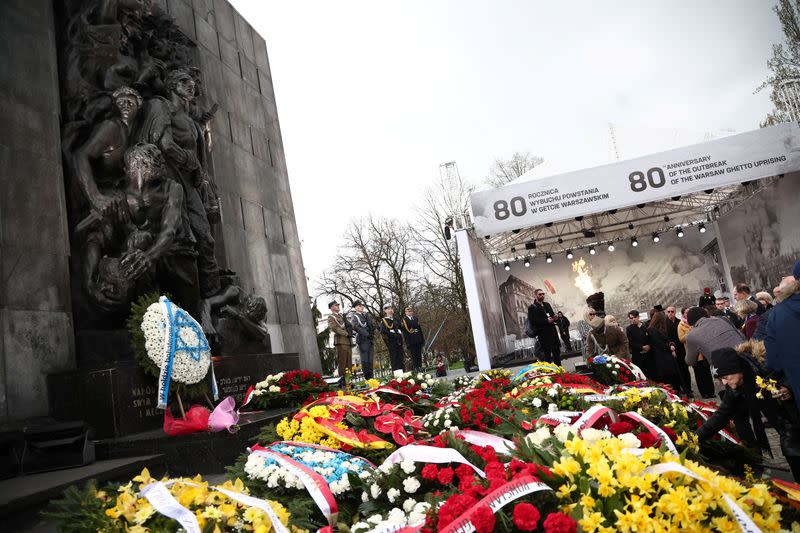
column 314, row 483
column 429, row 454
column 745, row 522
column 654, row 430
column 390, row 390
column 496, row 500
column 558, row 417
column 591, row 417
column 479, row 438
column 723, row 432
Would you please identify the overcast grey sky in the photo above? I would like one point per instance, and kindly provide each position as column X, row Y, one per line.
column 373, row 96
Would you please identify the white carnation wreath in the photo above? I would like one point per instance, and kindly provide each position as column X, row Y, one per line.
column 185, row 369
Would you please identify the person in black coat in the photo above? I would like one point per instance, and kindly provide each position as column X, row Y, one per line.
column 543, row 322
column 639, row 344
column 680, row 351
column 706, row 299
column 412, row 332
column 390, row 329
column 738, row 372
column 661, row 352
column 563, row 330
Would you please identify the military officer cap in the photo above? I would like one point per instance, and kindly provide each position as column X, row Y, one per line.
column 332, row 304
column 357, row 303
column 387, row 306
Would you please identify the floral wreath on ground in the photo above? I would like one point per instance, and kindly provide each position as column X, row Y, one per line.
column 286, row 389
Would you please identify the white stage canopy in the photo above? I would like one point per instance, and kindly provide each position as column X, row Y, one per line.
column 632, row 198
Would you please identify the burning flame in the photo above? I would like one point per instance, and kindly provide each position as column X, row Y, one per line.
column 583, row 281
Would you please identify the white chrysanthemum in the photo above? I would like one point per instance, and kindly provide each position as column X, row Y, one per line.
column 591, row 435
column 411, row 484
column 552, row 408
column 408, row 466
column 409, row 504
column 562, row 432
column 629, row 440
column 375, row 490
column 552, row 392
column 392, row 494
column 537, row 402
column 538, row 436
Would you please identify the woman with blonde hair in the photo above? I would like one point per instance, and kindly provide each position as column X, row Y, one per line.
column 765, row 298
column 746, row 309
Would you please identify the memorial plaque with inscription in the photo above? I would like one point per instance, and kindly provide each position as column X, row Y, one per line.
column 122, row 400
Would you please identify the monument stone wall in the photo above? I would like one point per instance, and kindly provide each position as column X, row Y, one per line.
column 35, row 309
column 256, row 237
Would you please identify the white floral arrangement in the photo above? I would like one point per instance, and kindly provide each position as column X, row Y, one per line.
column 269, row 384
column 463, row 382
column 425, row 381
column 406, row 510
column 444, row 419
column 188, row 366
column 332, row 465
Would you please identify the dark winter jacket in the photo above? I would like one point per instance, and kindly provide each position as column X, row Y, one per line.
column 743, row 407
column 661, row 354
column 783, row 338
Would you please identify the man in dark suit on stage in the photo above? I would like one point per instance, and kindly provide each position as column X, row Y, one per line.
column 543, row 322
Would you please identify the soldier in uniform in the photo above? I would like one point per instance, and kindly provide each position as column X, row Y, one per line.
column 390, row 329
column 364, row 326
column 413, row 337
column 341, row 340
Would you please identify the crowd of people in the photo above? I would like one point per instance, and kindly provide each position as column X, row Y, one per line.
column 751, row 345
column 398, row 334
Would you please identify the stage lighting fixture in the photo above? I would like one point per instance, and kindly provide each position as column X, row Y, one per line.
column 702, row 228
column 676, row 198
column 656, row 238
column 560, row 240
column 666, row 218
column 680, row 232
column 630, row 226
column 549, row 258
column 579, row 218
column 589, row 234
column 634, row 242
column 506, row 266
column 611, row 247
column 570, row 255
column 592, row 251
column 548, row 224
column 527, row 262
column 530, row 245
column 708, row 191
column 513, row 249
column 514, row 231
column 640, row 206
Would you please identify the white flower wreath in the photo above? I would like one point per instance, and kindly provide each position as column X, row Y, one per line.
column 185, row 369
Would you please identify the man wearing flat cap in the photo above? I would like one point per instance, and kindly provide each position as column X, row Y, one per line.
column 390, row 329
column 414, row 338
column 364, row 326
column 341, row 340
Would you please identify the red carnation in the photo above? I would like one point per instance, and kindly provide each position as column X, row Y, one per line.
column 526, row 516
column 646, row 439
column 454, row 507
column 464, row 471
column 495, row 470
column 483, row 519
column 430, row 472
column 618, row 428
column 445, row 475
column 559, row 523
column 670, row 433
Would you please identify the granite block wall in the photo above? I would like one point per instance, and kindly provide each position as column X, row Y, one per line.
column 35, row 309
column 258, row 235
